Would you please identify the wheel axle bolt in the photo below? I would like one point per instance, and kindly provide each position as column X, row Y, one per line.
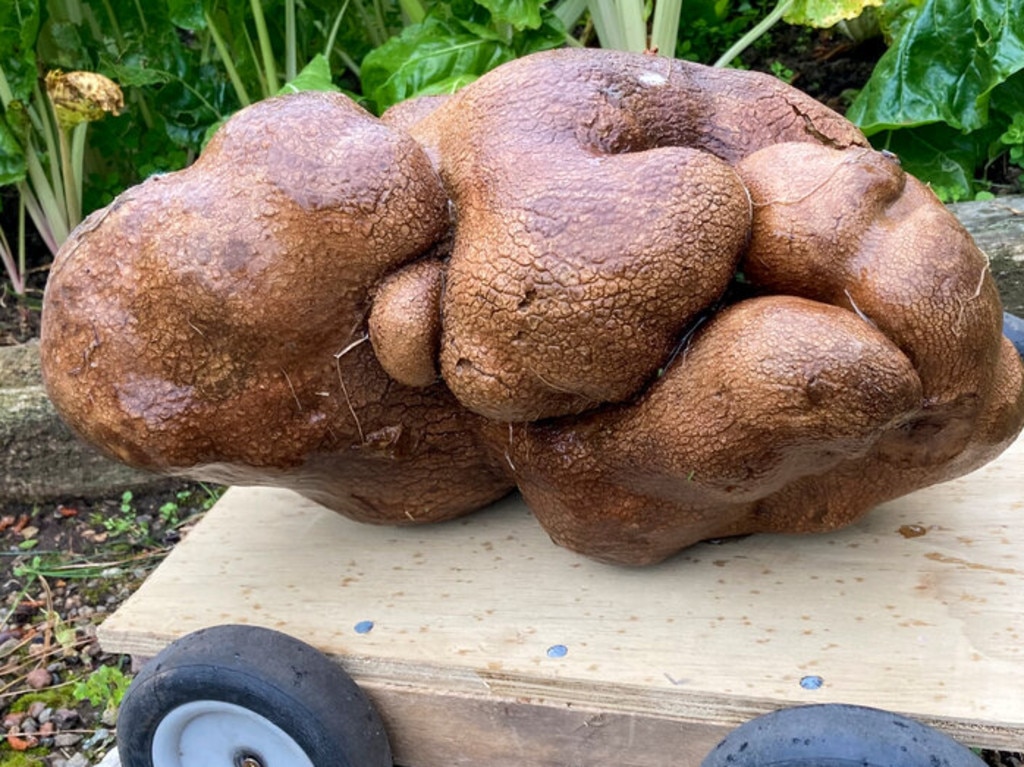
column 247, row 760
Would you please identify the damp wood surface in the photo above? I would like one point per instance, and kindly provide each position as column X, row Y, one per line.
column 484, row 644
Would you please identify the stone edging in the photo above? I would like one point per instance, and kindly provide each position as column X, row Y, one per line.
column 40, row 458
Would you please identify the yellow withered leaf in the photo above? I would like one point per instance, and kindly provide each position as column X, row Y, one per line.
column 79, row 97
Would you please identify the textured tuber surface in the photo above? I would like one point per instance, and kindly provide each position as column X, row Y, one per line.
column 666, row 302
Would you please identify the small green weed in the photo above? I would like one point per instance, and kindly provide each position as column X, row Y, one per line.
column 126, row 523
column 1013, row 139
column 169, row 513
column 213, row 494
column 782, row 72
column 103, row 688
column 58, row 566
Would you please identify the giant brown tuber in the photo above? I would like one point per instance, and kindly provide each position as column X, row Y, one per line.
column 667, row 302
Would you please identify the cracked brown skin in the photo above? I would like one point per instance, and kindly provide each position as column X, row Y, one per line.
column 875, row 365
column 550, row 240
column 852, row 229
column 771, row 390
column 405, row 323
column 595, row 221
column 195, row 325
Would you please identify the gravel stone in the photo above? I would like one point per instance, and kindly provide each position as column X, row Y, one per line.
column 14, row 719
column 65, row 718
column 38, row 678
column 67, row 739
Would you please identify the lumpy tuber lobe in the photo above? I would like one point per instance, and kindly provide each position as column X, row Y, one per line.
column 405, row 323
column 532, row 284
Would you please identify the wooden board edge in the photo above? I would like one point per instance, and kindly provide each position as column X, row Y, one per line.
column 478, row 696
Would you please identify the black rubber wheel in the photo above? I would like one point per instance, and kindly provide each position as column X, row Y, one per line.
column 838, row 735
column 1013, row 328
column 243, row 696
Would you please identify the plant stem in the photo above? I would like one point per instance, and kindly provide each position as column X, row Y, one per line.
column 413, row 10
column 140, row 102
column 35, row 212
column 46, row 125
column 72, row 10
column 378, row 13
column 620, row 24
column 72, row 204
column 199, row 96
column 269, row 67
column 112, row 17
column 15, row 274
column 665, row 30
column 349, row 62
column 291, row 65
column 752, row 36
column 78, row 164
column 94, row 25
column 631, row 17
column 21, row 243
column 376, row 35
column 142, row 17
column 333, row 35
column 6, row 94
column 52, row 215
column 264, row 90
column 605, row 16
column 569, row 12
column 225, row 57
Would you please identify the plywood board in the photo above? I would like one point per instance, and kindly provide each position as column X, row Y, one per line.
column 483, row 627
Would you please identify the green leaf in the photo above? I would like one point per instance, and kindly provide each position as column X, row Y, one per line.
column 521, row 14
column 1008, row 98
column 19, row 25
column 130, row 74
column 425, row 55
column 187, row 14
column 315, row 76
column 550, row 34
column 943, row 66
column 708, row 11
column 826, row 13
column 60, row 46
column 448, row 86
column 12, row 158
column 943, row 157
